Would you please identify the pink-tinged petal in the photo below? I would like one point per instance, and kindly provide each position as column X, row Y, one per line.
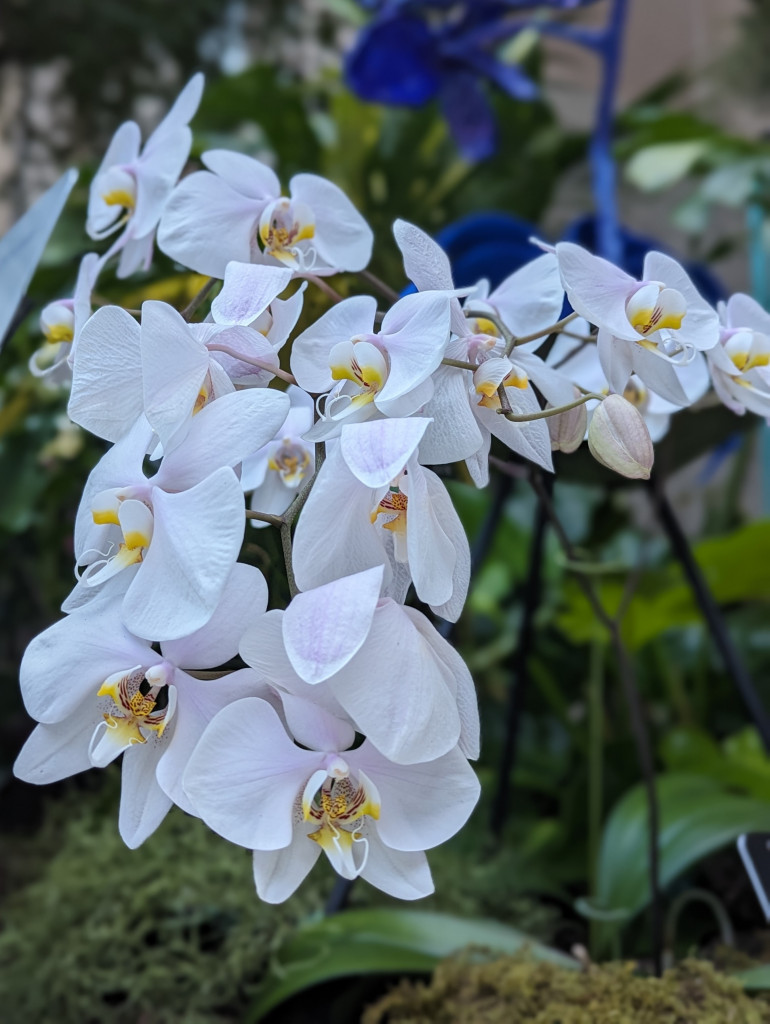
column 223, row 433
column 73, row 657
column 415, row 334
column 182, row 110
column 162, row 161
column 403, row 875
column 342, row 239
column 54, row 752
column 421, row 805
column 323, row 628
column 245, row 776
column 244, row 600
column 617, row 360
column 335, row 535
column 248, row 291
column 431, row 554
column 397, row 692
column 310, row 351
column 244, row 346
column 454, row 434
column 198, row 702
column 377, row 451
column 279, row 873
column 174, row 367
column 414, row 401
column 530, row 438
column 531, row 298
column 553, row 384
column 198, row 535
column 206, row 224
column 315, row 727
column 659, row 374
column 700, row 326
column 135, row 254
column 246, row 175
column 465, row 691
column 743, row 311
column 427, row 267
column 262, row 648
column 143, row 804
column 286, row 313
column 106, row 395
column 450, row 524
column 596, row 289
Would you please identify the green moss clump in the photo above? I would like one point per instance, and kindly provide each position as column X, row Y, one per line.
column 517, row 990
column 172, row 932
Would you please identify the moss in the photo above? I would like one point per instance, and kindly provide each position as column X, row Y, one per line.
column 515, row 990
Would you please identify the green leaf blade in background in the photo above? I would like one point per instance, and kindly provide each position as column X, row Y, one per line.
column 384, row 941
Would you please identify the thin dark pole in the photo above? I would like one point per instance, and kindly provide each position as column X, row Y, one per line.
column 710, row 610
column 637, row 718
column 339, row 896
column 520, row 676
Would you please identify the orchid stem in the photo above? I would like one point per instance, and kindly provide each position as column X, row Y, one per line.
column 327, row 289
column 545, row 413
column 710, row 610
column 196, row 300
column 384, row 289
column 286, row 546
column 261, row 364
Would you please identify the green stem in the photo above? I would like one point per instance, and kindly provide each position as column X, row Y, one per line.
column 545, row 413
column 196, row 300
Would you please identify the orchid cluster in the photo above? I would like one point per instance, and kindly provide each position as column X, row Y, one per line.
column 344, row 723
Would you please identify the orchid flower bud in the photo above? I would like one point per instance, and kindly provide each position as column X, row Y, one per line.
column 618, row 438
column 568, row 429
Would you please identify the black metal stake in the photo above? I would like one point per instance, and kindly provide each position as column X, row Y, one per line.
column 710, row 610
column 520, row 677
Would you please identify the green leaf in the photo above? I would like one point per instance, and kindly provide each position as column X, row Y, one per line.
column 385, row 941
column 698, row 815
column 661, row 166
column 753, row 978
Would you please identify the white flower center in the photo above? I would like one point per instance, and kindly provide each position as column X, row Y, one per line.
column 283, row 224
column 142, row 702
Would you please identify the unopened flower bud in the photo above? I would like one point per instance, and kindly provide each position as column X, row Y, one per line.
column 618, row 438
column 568, row 429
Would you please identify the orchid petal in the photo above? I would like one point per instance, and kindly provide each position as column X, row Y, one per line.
column 596, row 289
column 243, row 173
column 342, row 238
column 310, row 351
column 376, row 452
column 248, row 291
column 143, row 804
column 415, row 334
column 54, row 752
column 427, row 267
column 278, row 873
column 403, row 875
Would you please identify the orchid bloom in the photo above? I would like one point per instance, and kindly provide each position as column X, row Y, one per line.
column 98, row 692
column 132, row 185
column 366, row 374
column 169, row 369
column 646, row 327
column 278, row 470
column 580, row 362
column 382, row 665
column 253, row 785
column 740, row 363
column 465, row 405
column 374, row 504
column 182, row 527
column 62, row 322
column 234, row 211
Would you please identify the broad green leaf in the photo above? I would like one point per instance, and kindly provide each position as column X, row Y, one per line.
column 661, row 166
column 22, row 246
column 384, row 941
column 753, row 978
column 740, row 762
column 698, row 815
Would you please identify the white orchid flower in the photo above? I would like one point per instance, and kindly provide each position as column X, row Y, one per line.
column 580, row 362
column 234, row 211
column 381, row 665
column 646, row 327
column 278, row 470
column 99, row 692
column 387, row 373
column 62, row 322
column 372, row 818
column 133, row 183
column 182, row 527
column 374, row 504
column 740, row 363
column 168, row 369
column 464, row 407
